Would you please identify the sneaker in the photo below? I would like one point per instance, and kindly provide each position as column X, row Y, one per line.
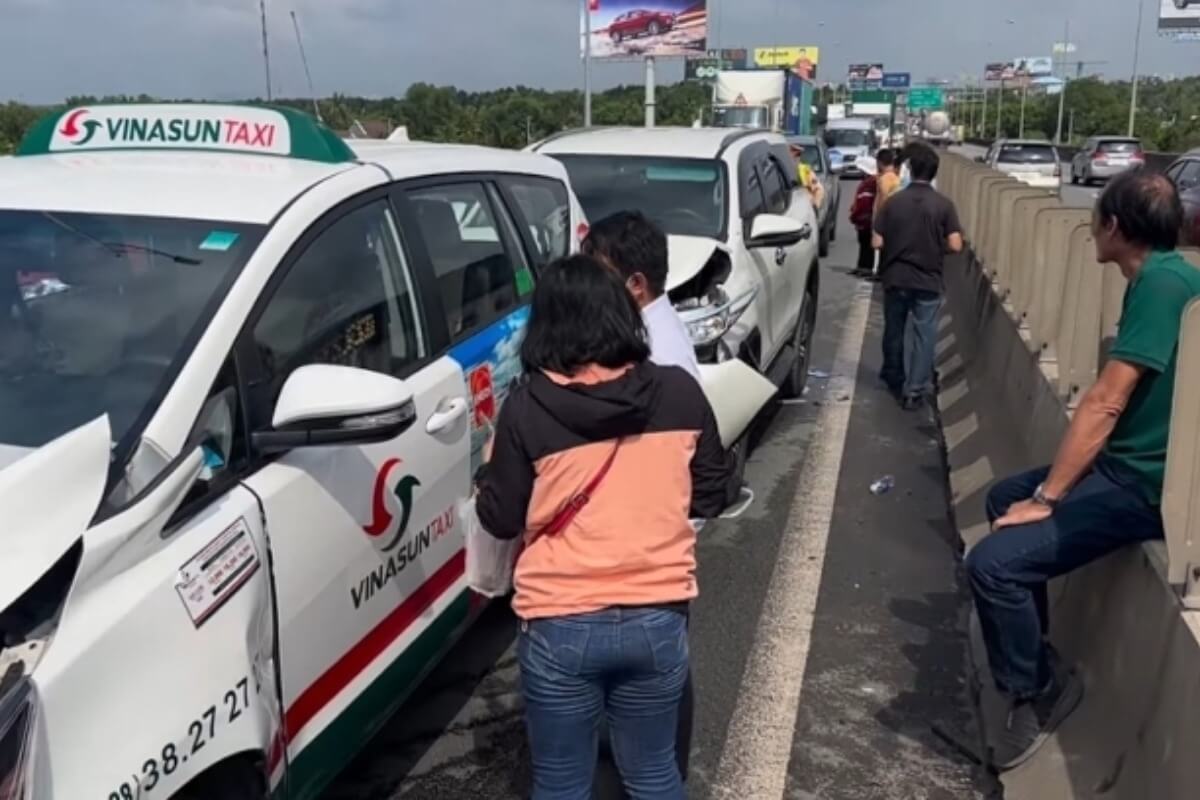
column 912, row 402
column 1030, row 722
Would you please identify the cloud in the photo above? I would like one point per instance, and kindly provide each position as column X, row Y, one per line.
column 50, row 49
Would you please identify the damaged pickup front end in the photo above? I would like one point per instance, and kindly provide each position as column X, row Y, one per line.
column 718, row 314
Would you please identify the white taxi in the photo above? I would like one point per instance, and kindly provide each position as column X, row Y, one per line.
column 246, row 371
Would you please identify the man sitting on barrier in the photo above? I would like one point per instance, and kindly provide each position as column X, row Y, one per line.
column 1105, row 486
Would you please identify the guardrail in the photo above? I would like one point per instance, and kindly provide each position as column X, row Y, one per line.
column 1032, row 316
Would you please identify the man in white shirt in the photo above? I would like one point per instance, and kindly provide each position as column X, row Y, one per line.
column 637, row 249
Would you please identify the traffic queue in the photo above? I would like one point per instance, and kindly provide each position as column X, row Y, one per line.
column 250, row 375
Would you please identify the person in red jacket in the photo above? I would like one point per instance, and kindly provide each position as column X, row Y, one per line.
column 862, row 214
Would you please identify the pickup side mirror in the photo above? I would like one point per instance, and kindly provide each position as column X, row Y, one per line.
column 981, row 159
column 324, row 404
column 776, row 230
column 829, row 140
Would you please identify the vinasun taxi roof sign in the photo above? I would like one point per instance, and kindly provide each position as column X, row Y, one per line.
column 186, row 126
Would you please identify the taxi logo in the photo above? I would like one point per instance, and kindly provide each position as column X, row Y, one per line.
column 483, row 395
column 390, row 502
column 71, row 128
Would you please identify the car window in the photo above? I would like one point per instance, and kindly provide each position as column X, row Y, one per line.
column 545, row 211
column 775, row 187
column 753, row 203
column 476, row 273
column 1027, row 154
column 347, row 299
column 1189, row 176
column 1119, row 146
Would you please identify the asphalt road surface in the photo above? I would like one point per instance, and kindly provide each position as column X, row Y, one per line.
column 828, row 640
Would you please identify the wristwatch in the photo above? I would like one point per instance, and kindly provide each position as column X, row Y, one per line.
column 1040, row 497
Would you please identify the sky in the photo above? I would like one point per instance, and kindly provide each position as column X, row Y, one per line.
column 51, row 49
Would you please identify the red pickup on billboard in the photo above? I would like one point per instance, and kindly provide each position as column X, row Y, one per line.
column 638, row 28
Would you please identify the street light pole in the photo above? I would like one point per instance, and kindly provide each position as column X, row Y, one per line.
column 1137, row 47
column 1062, row 91
column 587, row 64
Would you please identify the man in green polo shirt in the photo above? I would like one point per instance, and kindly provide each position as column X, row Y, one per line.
column 1104, row 488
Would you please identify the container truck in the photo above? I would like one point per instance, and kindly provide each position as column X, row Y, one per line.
column 777, row 100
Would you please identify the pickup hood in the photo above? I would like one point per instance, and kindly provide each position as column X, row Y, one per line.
column 686, row 256
column 48, row 497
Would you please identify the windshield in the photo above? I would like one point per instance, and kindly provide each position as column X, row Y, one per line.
column 741, row 117
column 1027, row 154
column 685, row 196
column 96, row 312
column 851, row 137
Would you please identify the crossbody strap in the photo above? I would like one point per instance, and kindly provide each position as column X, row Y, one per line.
column 571, row 509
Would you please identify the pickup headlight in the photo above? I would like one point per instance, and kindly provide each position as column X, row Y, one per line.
column 709, row 318
column 18, row 707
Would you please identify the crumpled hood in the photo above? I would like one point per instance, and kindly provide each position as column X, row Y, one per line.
column 47, row 500
column 686, row 256
column 600, row 410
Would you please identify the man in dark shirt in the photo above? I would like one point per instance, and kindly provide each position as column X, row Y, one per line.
column 1104, row 489
column 914, row 231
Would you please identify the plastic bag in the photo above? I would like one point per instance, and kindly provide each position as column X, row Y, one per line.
column 490, row 561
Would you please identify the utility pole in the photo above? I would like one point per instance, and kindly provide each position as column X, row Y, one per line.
column 983, row 122
column 304, row 60
column 587, row 61
column 1137, row 47
column 650, row 104
column 1000, row 109
column 262, row 10
column 1024, row 97
column 1062, row 92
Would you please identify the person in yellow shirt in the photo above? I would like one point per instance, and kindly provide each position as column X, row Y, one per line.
column 808, row 178
column 888, row 182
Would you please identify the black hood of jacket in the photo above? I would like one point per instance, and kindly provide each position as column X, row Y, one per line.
column 600, row 411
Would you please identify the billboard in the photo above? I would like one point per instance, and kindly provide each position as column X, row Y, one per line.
column 868, row 75
column 1001, row 71
column 897, row 80
column 801, row 59
column 735, row 57
column 640, row 28
column 1179, row 16
column 1035, row 67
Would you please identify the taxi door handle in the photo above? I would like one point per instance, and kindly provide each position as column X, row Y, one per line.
column 449, row 412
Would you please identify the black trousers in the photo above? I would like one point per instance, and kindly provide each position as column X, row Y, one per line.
column 866, row 253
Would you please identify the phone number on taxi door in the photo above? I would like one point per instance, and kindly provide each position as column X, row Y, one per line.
column 203, row 729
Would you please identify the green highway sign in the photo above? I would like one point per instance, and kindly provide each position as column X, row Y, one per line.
column 925, row 98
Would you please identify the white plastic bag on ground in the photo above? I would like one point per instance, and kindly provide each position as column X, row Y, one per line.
column 490, row 560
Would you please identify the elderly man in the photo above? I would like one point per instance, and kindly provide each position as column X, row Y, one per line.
column 1104, row 488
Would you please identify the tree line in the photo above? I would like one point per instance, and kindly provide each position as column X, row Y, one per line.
column 1168, row 118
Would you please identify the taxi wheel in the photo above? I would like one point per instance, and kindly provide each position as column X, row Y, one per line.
column 235, row 779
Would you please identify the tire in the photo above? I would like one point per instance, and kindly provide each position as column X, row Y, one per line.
column 617, row 37
column 239, row 778
column 1074, row 177
column 654, row 28
column 833, row 227
column 823, row 242
column 793, row 386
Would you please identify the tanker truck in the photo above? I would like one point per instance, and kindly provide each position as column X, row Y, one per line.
column 936, row 129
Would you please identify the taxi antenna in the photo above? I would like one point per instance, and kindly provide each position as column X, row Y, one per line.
column 308, row 75
column 262, row 10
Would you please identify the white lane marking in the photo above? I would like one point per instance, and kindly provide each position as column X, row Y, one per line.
column 754, row 762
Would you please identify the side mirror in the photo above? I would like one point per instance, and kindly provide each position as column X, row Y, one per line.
column 323, row 404
column 775, row 230
column 981, row 159
column 829, row 140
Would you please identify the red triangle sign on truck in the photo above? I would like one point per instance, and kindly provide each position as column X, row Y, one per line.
column 741, row 100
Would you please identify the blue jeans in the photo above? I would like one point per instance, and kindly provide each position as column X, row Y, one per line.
column 1009, row 569
column 627, row 663
column 898, row 306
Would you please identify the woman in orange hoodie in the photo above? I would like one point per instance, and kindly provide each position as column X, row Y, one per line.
column 600, row 461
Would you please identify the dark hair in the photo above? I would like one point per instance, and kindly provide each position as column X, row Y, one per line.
column 582, row 314
column 886, row 157
column 1145, row 206
column 631, row 243
column 922, row 161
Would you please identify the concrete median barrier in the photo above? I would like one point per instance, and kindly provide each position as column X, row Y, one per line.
column 1009, row 379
